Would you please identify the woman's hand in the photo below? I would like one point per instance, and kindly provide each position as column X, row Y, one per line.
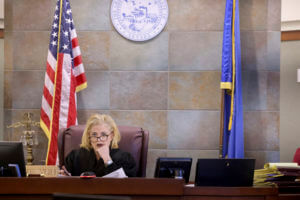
column 64, row 172
column 103, row 151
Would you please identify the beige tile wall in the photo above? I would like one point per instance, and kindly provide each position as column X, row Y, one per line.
column 168, row 85
column 1, row 84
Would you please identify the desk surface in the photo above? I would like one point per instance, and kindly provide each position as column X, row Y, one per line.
column 126, row 186
column 230, row 191
column 136, row 188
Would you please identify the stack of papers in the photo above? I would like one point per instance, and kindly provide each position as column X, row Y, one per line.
column 262, row 175
column 119, row 173
column 281, row 174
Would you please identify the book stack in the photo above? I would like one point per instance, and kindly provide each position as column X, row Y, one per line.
column 280, row 174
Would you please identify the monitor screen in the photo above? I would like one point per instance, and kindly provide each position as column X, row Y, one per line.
column 224, row 172
column 12, row 153
column 173, row 168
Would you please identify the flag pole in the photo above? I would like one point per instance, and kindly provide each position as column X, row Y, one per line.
column 221, row 124
column 55, row 79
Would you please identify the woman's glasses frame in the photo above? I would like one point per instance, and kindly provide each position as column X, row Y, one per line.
column 103, row 137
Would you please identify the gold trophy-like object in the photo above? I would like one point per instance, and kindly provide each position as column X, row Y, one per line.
column 28, row 134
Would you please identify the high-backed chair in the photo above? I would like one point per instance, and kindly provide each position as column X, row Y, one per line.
column 297, row 156
column 133, row 140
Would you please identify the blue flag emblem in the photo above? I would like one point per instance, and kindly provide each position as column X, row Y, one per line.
column 231, row 82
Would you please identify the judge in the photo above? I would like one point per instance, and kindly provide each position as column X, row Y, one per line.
column 99, row 152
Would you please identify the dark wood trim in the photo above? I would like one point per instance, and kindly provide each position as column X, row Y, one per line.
column 126, row 186
column 1, row 33
column 136, row 188
column 231, row 191
column 290, row 35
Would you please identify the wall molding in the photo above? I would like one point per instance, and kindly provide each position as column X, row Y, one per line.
column 290, row 30
column 290, row 25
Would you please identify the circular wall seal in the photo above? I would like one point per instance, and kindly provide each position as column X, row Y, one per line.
column 139, row 20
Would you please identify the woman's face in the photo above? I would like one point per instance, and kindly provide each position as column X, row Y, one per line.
column 100, row 135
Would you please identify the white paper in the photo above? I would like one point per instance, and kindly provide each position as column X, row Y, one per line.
column 119, row 173
column 190, row 185
column 282, row 164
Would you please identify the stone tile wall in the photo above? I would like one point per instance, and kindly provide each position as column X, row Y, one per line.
column 168, row 85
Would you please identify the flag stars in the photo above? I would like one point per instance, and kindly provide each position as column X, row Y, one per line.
column 69, row 11
column 53, row 43
column 55, row 16
column 68, row 21
column 65, row 46
column 56, row 7
column 66, row 33
column 54, row 34
column 54, row 25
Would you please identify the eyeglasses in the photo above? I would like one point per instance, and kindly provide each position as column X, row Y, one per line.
column 103, row 137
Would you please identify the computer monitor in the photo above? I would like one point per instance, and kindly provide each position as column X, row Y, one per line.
column 173, row 168
column 225, row 172
column 12, row 153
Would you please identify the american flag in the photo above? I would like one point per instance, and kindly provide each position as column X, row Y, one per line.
column 64, row 77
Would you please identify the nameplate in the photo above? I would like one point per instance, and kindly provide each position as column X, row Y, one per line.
column 43, row 170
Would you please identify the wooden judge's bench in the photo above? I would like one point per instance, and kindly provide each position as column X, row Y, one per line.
column 133, row 188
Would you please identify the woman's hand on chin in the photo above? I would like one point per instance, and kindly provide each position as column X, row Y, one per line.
column 103, row 151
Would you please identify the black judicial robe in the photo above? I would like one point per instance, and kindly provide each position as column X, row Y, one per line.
column 83, row 160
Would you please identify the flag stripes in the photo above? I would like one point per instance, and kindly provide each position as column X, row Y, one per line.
column 63, row 78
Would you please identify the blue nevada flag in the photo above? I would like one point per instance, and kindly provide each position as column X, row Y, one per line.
column 231, row 82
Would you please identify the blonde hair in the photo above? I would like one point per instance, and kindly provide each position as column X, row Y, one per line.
column 98, row 119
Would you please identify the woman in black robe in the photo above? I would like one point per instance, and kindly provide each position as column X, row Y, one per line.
column 99, row 152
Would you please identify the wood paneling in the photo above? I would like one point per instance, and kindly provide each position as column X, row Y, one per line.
column 290, row 35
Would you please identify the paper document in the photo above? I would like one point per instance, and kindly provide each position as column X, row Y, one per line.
column 291, row 164
column 119, row 173
column 190, row 185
